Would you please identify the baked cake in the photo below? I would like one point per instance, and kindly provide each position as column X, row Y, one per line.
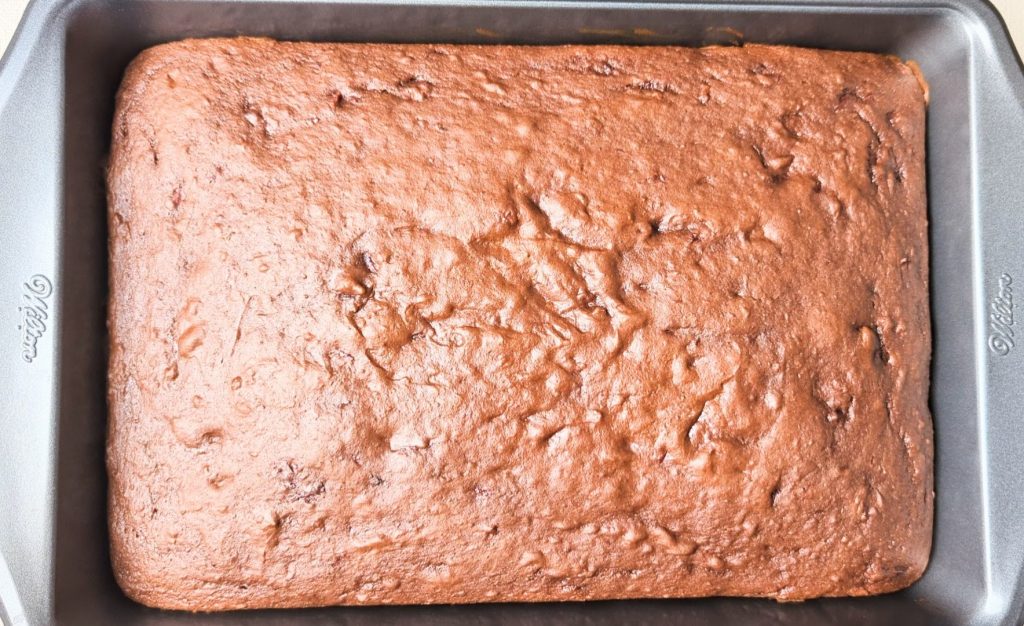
column 444, row 324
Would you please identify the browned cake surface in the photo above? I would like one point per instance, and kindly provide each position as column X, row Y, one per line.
column 418, row 324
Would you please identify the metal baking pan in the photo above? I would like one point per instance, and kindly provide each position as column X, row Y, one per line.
column 57, row 85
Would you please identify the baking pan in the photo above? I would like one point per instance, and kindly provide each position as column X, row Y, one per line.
column 57, row 85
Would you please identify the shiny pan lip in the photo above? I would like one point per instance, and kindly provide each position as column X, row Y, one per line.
column 57, row 82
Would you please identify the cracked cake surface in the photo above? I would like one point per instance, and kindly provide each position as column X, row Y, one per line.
column 444, row 324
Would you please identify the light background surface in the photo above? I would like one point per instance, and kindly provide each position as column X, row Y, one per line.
column 1012, row 11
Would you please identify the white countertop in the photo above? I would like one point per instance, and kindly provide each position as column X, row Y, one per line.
column 1012, row 11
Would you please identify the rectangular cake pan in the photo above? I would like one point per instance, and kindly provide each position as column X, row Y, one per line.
column 57, row 85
